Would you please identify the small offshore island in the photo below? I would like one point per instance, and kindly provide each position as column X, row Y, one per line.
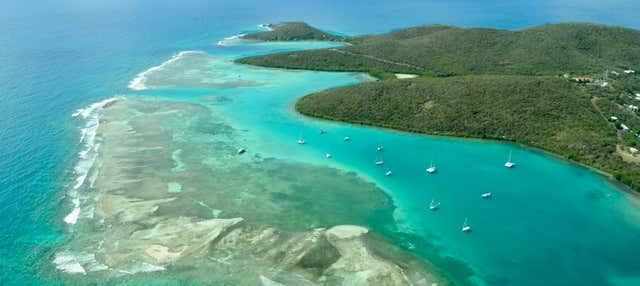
column 569, row 88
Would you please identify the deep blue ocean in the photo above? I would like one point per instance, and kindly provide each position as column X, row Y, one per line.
column 59, row 56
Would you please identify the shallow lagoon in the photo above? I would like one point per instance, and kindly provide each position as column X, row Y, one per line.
column 548, row 220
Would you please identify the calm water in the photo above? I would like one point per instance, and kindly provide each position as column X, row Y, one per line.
column 549, row 221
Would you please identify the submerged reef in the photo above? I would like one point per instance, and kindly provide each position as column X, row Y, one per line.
column 168, row 199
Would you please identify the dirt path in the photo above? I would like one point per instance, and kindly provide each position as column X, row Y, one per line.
column 378, row 59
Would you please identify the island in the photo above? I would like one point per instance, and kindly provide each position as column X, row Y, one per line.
column 569, row 88
column 292, row 31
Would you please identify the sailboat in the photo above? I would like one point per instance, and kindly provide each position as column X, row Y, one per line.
column 388, row 173
column 241, row 151
column 379, row 162
column 431, row 169
column 509, row 164
column 433, row 205
column 328, row 155
column 301, row 141
column 486, row 195
column 379, row 148
column 346, row 138
column 465, row 226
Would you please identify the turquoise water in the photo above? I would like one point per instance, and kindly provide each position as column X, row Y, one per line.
column 549, row 221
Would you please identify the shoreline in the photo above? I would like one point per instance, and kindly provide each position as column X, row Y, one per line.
column 609, row 177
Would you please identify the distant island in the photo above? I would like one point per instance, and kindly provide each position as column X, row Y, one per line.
column 292, row 31
column 568, row 88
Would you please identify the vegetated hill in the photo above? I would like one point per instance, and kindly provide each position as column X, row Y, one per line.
column 545, row 112
column 575, row 48
column 292, row 31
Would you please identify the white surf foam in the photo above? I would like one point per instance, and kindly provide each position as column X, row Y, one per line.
column 230, row 41
column 88, row 154
column 138, row 83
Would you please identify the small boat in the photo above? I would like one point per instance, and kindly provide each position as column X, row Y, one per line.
column 322, row 131
column 433, row 205
column 379, row 162
column 379, row 148
column 465, row 226
column 432, row 169
column 346, row 138
column 486, row 195
column 388, row 173
column 301, row 141
column 241, row 151
column 509, row 164
column 327, row 155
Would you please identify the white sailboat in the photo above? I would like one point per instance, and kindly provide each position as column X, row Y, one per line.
column 328, row 155
column 465, row 226
column 433, row 205
column 346, row 138
column 241, row 151
column 388, row 173
column 432, row 169
column 509, row 164
column 301, row 141
column 486, row 195
column 379, row 162
column 379, row 148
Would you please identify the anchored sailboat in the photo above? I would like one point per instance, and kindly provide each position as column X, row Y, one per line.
column 486, row 195
column 465, row 226
column 509, row 164
column 432, row 169
column 433, row 205
column 379, row 148
column 388, row 173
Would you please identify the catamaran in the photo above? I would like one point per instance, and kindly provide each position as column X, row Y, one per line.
column 465, row 226
column 432, row 169
column 486, row 195
column 433, row 205
column 509, row 164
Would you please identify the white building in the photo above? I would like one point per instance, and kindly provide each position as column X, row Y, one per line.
column 633, row 108
column 624, row 127
column 629, row 71
column 633, row 150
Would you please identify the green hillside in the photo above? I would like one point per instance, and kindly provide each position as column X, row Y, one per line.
column 574, row 48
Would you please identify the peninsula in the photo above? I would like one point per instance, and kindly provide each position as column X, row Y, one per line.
column 568, row 88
